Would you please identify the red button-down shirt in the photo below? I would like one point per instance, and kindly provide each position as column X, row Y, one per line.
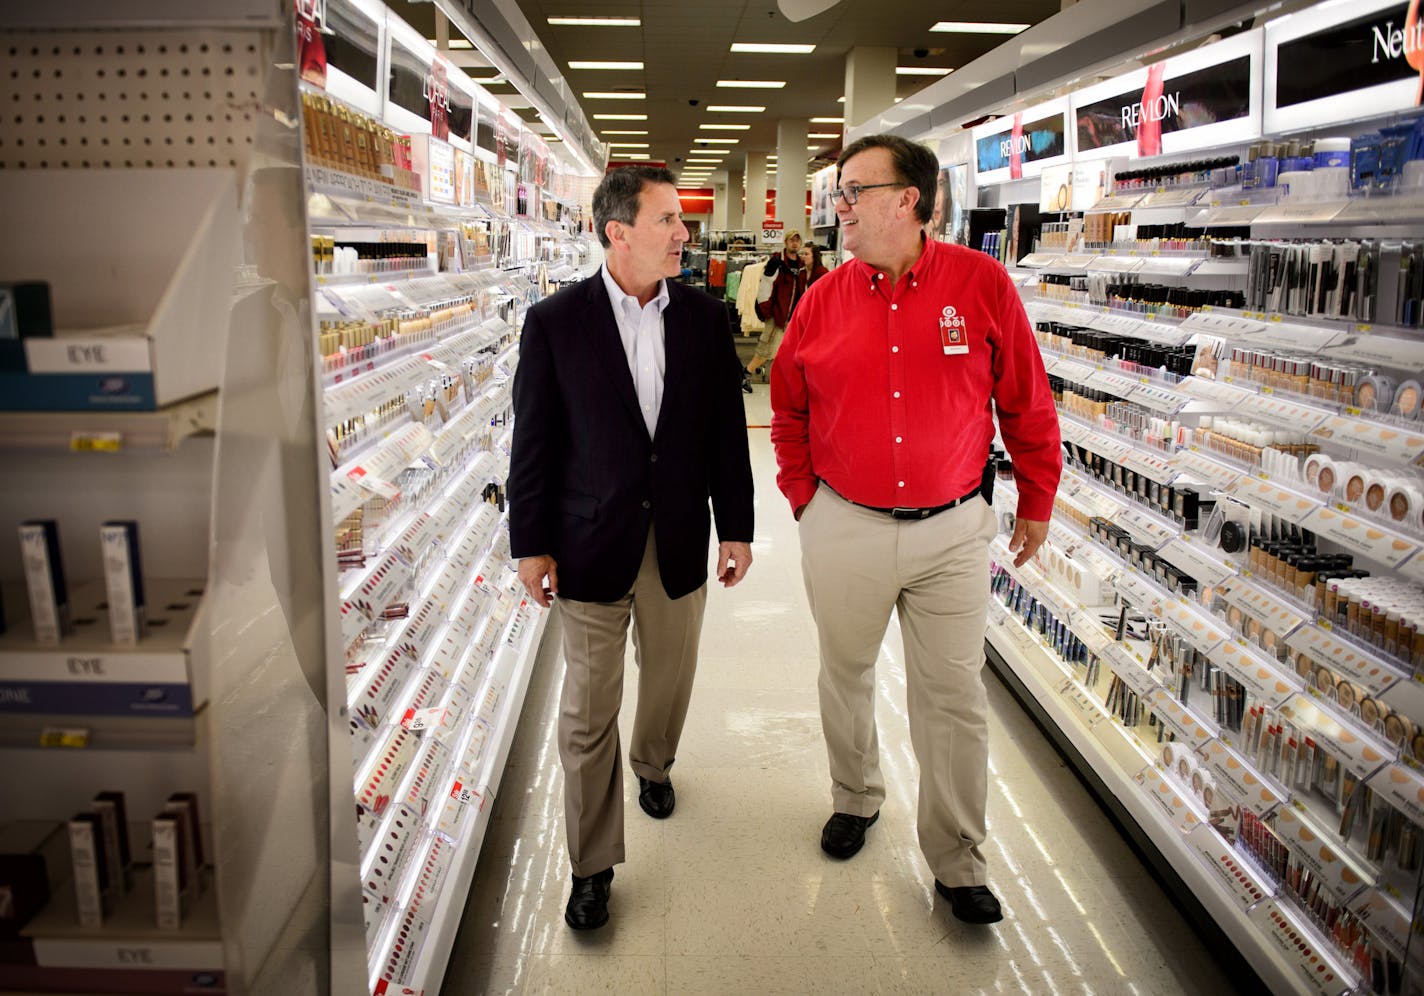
column 889, row 394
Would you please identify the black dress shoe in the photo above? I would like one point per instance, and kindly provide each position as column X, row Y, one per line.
column 747, row 381
column 844, row 834
column 971, row 903
column 588, row 903
column 656, row 798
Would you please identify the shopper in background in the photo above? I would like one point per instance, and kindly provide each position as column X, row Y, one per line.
column 883, row 401
column 627, row 419
column 785, row 268
column 812, row 269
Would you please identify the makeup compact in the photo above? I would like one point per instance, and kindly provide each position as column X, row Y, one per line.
column 1408, row 400
column 1374, row 393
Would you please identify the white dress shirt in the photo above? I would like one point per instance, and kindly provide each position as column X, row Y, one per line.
column 641, row 329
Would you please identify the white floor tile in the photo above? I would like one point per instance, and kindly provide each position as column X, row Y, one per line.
column 733, row 895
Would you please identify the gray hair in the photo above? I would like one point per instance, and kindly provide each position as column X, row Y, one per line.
column 616, row 198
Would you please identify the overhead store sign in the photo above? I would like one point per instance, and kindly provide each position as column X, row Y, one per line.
column 420, row 84
column 1203, row 99
column 1021, row 145
column 1329, row 64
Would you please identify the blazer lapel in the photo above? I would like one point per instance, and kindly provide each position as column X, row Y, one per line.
column 608, row 346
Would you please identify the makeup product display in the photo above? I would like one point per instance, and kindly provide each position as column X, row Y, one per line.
column 1242, row 469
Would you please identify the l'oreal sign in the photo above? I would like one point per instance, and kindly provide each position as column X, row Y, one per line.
column 1338, row 62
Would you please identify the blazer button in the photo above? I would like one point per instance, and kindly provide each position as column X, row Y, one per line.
column 655, row 458
column 647, row 504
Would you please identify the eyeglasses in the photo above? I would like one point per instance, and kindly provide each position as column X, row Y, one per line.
column 852, row 191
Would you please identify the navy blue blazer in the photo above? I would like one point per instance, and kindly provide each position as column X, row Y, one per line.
column 586, row 482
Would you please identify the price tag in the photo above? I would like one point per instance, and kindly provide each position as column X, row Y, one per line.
column 81, row 441
column 69, row 737
column 420, row 720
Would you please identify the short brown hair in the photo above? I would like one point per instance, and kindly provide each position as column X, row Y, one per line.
column 915, row 166
column 616, row 198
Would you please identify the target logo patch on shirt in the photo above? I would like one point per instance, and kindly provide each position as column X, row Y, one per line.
column 953, row 334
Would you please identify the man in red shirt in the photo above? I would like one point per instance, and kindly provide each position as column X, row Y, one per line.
column 883, row 400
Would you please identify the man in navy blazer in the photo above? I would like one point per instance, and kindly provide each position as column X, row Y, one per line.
column 627, row 418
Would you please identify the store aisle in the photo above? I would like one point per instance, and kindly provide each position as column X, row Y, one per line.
column 732, row 894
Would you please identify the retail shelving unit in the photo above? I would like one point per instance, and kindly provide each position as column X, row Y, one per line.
column 1260, row 734
column 423, row 262
column 314, row 445
column 140, row 182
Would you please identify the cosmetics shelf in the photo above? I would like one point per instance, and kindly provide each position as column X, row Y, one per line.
column 428, row 888
column 389, row 277
column 110, row 432
column 1220, row 879
column 108, row 695
column 1236, row 892
column 127, row 953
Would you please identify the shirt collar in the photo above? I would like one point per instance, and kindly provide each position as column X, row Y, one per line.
column 874, row 277
column 620, row 299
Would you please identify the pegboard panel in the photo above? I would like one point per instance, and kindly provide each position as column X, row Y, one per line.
column 129, row 99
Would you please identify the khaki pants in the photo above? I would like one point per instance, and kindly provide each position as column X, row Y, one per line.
column 858, row 566
column 665, row 638
column 770, row 341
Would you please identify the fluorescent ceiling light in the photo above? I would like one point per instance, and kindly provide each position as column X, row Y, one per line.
column 752, row 84
column 828, row 120
column 840, row 100
column 614, row 95
column 627, row 145
column 720, row 141
column 709, row 152
column 771, row 157
column 611, row 131
column 620, row 117
column 724, row 127
column 921, row 71
column 736, row 108
column 597, row 22
column 813, row 148
column 605, row 65
column 773, row 49
column 978, row 28
column 898, row 99
column 814, row 134
column 454, row 43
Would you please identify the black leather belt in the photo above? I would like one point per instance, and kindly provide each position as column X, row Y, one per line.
column 908, row 513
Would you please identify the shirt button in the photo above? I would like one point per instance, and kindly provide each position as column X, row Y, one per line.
column 897, row 394
column 655, row 458
column 902, row 484
column 894, row 349
column 898, row 439
column 894, row 307
column 647, row 504
column 914, row 283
